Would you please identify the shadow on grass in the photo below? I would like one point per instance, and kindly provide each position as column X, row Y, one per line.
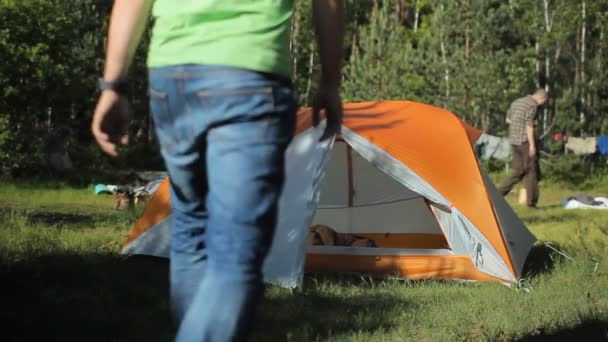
column 592, row 330
column 106, row 297
column 85, row 298
column 540, row 216
column 541, row 260
column 314, row 314
column 68, row 220
column 59, row 219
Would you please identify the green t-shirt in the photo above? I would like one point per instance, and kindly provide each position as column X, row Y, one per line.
column 250, row 34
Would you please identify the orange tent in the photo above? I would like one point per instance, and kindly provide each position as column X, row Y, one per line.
column 403, row 175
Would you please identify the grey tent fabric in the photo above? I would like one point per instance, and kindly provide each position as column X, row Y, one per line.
column 492, row 147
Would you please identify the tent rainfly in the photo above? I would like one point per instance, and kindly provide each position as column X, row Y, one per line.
column 401, row 174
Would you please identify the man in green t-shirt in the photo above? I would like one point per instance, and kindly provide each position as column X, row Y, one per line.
column 224, row 113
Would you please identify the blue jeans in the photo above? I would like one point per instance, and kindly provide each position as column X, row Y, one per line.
column 223, row 132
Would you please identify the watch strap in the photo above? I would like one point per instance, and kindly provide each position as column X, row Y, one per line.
column 119, row 87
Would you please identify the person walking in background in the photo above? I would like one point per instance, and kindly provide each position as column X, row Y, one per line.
column 224, row 113
column 521, row 119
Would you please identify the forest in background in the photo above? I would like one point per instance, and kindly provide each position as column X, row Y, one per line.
column 472, row 57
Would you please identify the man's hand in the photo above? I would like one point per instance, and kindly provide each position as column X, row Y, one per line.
column 111, row 122
column 532, row 151
column 111, row 118
column 328, row 17
column 328, row 99
column 531, row 140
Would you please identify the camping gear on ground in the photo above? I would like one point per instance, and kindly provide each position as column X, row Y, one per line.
column 402, row 174
column 105, row 189
column 123, row 199
column 581, row 146
column 584, row 201
column 150, row 188
column 102, row 189
column 142, row 194
column 322, row 235
column 151, row 176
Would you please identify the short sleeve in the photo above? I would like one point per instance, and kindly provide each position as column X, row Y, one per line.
column 530, row 116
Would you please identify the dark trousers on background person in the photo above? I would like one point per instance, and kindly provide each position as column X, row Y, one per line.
column 523, row 167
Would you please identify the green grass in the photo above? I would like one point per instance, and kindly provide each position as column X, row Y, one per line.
column 63, row 279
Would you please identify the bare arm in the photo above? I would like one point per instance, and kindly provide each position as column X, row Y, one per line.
column 530, row 117
column 329, row 25
column 530, row 134
column 111, row 117
column 127, row 24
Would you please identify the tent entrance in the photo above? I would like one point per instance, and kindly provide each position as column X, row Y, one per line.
column 357, row 198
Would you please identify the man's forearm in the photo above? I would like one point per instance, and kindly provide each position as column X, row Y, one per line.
column 127, row 24
column 531, row 139
column 329, row 24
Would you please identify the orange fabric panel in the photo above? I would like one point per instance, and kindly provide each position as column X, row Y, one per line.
column 304, row 121
column 392, row 240
column 156, row 210
column 472, row 133
column 434, row 144
column 406, row 266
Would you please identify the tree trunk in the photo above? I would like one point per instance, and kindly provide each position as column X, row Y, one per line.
column 583, row 31
column 447, row 72
column 467, row 53
column 48, row 122
column 577, row 66
column 293, row 41
column 444, row 58
column 401, row 11
column 372, row 19
column 537, row 48
column 310, row 70
column 416, row 15
column 548, row 28
column 547, row 88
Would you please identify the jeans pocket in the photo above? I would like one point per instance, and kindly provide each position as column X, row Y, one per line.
column 163, row 120
column 159, row 106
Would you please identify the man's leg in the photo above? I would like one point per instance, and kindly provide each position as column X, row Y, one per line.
column 245, row 165
column 183, row 151
column 531, row 181
column 518, row 170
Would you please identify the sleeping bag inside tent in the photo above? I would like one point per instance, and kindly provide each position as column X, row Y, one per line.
column 400, row 192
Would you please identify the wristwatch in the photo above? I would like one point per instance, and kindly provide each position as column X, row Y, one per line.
column 120, row 86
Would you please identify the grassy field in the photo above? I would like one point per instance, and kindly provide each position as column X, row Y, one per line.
column 63, row 279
